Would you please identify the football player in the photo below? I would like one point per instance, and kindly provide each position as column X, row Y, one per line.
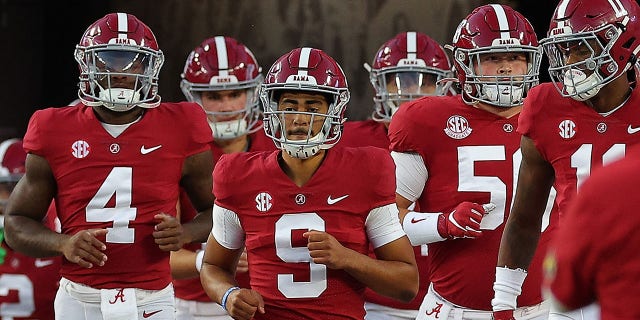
column 455, row 153
column 406, row 67
column 603, row 267
column 585, row 119
column 114, row 165
column 223, row 76
column 306, row 213
column 27, row 285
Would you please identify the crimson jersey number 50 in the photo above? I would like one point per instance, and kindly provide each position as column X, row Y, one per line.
column 468, row 181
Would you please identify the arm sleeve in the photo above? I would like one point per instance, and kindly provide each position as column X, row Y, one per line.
column 383, row 225
column 226, row 228
column 411, row 174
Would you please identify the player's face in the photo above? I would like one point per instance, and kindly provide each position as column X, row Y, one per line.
column 121, row 66
column 502, row 64
column 407, row 83
column 224, row 101
column 301, row 117
column 578, row 50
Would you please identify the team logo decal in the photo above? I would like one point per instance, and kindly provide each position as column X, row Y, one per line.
column 264, row 202
column 80, row 149
column 567, row 129
column 300, row 199
column 507, row 127
column 457, row 127
column 601, row 127
column 114, row 148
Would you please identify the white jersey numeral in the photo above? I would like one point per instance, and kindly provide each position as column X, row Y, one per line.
column 25, row 305
column 286, row 252
column 468, row 181
column 581, row 160
column 119, row 182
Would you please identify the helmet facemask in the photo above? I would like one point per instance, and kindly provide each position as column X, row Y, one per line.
column 324, row 130
column 582, row 79
column 506, row 90
column 395, row 86
column 242, row 122
column 119, row 77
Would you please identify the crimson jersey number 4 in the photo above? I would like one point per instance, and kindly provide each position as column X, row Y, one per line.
column 119, row 184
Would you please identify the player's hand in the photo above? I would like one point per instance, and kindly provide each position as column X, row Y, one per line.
column 463, row 221
column 243, row 303
column 243, row 263
column 325, row 249
column 503, row 315
column 168, row 234
column 84, row 248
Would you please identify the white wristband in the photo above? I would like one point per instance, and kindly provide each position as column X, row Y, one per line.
column 507, row 288
column 421, row 228
column 199, row 258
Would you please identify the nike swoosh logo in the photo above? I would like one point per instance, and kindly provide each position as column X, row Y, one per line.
column 414, row 220
column 147, row 315
column 144, row 150
column 42, row 263
column 632, row 130
column 332, row 201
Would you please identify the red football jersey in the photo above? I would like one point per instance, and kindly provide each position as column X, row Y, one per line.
column 364, row 133
column 274, row 213
column 574, row 138
column 470, row 155
column 373, row 133
column 191, row 289
column 118, row 183
column 28, row 285
column 596, row 246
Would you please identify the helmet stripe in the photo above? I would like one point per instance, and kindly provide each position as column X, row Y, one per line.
column 411, row 45
column 562, row 9
column 123, row 25
column 223, row 60
column 503, row 23
column 618, row 8
column 303, row 64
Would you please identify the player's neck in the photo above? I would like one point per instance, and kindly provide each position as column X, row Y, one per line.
column 114, row 117
column 298, row 170
column 611, row 96
column 239, row 144
column 499, row 111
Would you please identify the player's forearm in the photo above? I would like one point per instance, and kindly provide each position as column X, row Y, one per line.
column 183, row 264
column 31, row 237
column 395, row 279
column 216, row 281
column 518, row 245
column 198, row 229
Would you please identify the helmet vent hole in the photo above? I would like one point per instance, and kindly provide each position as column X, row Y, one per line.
column 629, row 43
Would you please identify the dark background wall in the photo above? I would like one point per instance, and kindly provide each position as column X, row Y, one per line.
column 38, row 38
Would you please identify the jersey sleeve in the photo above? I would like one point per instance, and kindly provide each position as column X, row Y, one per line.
column 199, row 136
column 530, row 110
column 411, row 174
column 33, row 141
column 404, row 129
column 383, row 225
column 226, row 228
column 384, row 182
